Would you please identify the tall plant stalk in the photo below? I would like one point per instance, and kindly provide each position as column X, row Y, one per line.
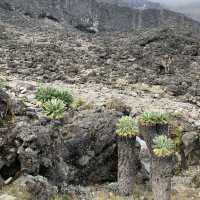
column 152, row 125
column 127, row 155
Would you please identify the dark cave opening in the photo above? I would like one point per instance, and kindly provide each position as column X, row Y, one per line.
column 161, row 70
column 85, row 29
column 51, row 17
column 11, row 170
column 43, row 170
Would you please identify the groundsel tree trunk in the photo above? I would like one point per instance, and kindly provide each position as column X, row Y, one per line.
column 161, row 177
column 127, row 158
column 161, row 168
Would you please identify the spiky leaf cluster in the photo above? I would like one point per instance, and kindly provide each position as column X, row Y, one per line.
column 163, row 146
column 126, row 127
column 46, row 93
column 54, row 108
column 154, row 118
column 3, row 82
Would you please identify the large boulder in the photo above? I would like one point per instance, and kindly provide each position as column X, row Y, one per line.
column 30, row 145
column 40, row 150
column 190, row 142
column 6, row 137
column 90, row 146
column 5, row 106
column 38, row 187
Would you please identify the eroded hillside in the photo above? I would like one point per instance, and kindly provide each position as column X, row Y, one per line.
column 92, row 16
column 109, row 74
column 158, row 57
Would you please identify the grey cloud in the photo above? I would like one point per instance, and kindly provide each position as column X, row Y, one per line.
column 176, row 2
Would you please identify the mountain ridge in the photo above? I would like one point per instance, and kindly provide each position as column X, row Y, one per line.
column 140, row 4
column 93, row 16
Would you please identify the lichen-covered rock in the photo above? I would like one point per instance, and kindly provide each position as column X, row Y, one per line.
column 190, row 142
column 5, row 107
column 37, row 186
column 41, row 149
column 90, row 145
column 7, row 146
column 32, row 146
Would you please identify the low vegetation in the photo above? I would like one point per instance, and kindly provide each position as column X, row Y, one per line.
column 54, row 108
column 58, row 197
column 118, row 105
column 54, row 101
column 154, row 118
column 176, row 136
column 46, row 93
column 3, row 82
column 17, row 191
column 163, row 146
column 79, row 103
column 126, row 126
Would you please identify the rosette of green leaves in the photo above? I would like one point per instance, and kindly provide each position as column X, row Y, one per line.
column 163, row 146
column 127, row 127
column 46, row 93
column 154, row 118
column 54, row 108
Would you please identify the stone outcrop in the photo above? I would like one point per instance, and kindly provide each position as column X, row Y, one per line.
column 82, row 150
column 5, row 106
column 90, row 146
column 38, row 187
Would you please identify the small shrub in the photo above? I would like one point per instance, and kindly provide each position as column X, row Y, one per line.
column 118, row 105
column 154, row 118
column 121, row 83
column 163, row 146
column 45, row 94
column 3, row 83
column 78, row 103
column 58, row 197
column 83, row 104
column 54, row 108
column 126, row 126
column 15, row 190
column 176, row 135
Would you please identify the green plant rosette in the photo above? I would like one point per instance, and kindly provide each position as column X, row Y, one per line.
column 126, row 127
column 147, row 118
column 54, row 108
column 163, row 146
column 46, row 93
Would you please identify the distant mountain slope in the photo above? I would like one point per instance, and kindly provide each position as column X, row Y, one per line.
column 140, row 4
column 192, row 9
column 92, row 16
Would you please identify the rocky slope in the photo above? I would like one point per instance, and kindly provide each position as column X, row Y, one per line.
column 120, row 73
column 116, row 74
column 158, row 57
column 91, row 16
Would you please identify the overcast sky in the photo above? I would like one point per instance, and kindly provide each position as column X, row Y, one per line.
column 175, row 2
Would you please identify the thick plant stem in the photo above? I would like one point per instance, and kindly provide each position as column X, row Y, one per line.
column 126, row 165
column 161, row 168
column 183, row 158
column 161, row 177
